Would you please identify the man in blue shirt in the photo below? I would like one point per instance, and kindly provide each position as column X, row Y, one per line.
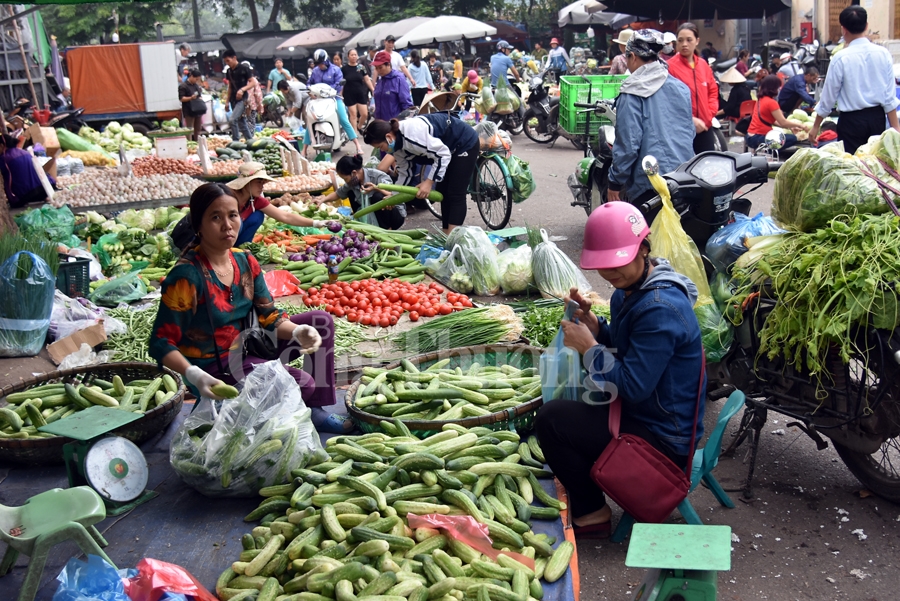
column 861, row 83
column 794, row 91
column 501, row 64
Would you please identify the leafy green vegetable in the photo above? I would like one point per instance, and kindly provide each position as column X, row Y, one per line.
column 515, row 269
column 541, row 319
column 828, row 283
column 554, row 273
column 481, row 257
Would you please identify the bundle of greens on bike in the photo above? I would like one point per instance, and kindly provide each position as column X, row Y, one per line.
column 829, row 284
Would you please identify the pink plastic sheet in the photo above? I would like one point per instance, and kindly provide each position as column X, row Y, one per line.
column 282, row 283
column 465, row 529
column 155, row 578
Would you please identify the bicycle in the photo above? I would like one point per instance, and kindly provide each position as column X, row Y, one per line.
column 491, row 184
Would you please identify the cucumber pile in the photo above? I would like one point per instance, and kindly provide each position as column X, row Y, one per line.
column 340, row 531
column 442, row 394
column 27, row 410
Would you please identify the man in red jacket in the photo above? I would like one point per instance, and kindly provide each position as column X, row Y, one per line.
column 695, row 72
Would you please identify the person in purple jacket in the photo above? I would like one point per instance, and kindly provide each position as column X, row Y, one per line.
column 392, row 95
column 20, row 181
column 330, row 74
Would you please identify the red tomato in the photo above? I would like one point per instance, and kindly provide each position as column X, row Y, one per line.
column 313, row 291
column 339, row 311
column 329, row 308
column 445, row 309
column 365, row 320
column 309, row 302
column 354, row 285
column 413, row 316
column 437, row 287
column 377, row 302
column 352, row 317
column 405, row 306
column 452, row 298
column 429, row 312
column 329, row 294
column 393, row 320
column 364, row 304
column 393, row 297
column 384, row 322
column 353, row 302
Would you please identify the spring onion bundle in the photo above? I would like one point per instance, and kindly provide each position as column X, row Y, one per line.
column 485, row 325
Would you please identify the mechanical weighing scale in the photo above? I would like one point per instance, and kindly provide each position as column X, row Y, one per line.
column 682, row 560
column 113, row 466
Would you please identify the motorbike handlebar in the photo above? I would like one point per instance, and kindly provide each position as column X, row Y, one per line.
column 775, row 166
column 655, row 202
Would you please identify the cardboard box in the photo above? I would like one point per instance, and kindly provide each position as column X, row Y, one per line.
column 46, row 137
column 64, row 347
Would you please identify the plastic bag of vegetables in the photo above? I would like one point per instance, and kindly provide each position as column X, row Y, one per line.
column 716, row 332
column 234, row 448
column 453, row 271
column 726, row 245
column 554, row 273
column 481, row 256
column 523, row 180
column 515, row 269
column 124, row 289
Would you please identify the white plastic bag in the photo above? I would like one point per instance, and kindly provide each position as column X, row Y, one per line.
column 516, row 274
column 480, row 255
column 255, row 440
column 85, row 355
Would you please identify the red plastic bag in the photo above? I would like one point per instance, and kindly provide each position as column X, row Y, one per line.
column 465, row 529
column 282, row 283
column 157, row 577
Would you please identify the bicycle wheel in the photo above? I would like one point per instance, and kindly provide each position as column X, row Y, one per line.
column 434, row 208
column 491, row 194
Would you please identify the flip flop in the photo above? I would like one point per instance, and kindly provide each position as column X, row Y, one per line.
column 336, row 424
column 594, row 531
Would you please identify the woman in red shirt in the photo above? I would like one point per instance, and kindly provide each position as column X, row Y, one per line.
column 768, row 114
column 687, row 66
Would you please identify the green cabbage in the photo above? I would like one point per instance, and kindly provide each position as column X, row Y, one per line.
column 113, row 127
column 515, row 269
column 481, row 257
column 144, row 219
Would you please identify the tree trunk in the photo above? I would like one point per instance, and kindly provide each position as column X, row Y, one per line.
column 254, row 15
column 7, row 225
column 276, row 9
column 362, row 7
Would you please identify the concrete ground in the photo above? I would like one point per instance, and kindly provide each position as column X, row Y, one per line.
column 809, row 531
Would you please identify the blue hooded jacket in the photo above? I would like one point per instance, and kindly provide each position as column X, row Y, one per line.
column 654, row 355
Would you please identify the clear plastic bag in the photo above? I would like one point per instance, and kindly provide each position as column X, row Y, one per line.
column 516, row 274
column 235, row 448
column 85, row 355
column 453, row 271
column 716, row 332
column 669, row 241
column 523, row 180
column 91, row 580
column 123, row 289
column 562, row 369
column 480, row 254
column 488, row 102
column 27, row 287
column 554, row 273
column 726, row 245
column 504, row 97
column 70, row 315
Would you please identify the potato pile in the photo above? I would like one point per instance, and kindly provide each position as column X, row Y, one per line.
column 153, row 165
column 298, row 183
column 90, row 158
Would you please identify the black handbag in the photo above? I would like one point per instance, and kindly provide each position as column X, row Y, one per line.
column 743, row 125
column 197, row 107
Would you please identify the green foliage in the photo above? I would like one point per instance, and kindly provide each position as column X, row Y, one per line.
column 79, row 24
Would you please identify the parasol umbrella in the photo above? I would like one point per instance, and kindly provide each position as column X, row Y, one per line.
column 317, row 36
column 269, row 48
column 699, row 9
column 445, row 29
column 584, row 12
column 372, row 36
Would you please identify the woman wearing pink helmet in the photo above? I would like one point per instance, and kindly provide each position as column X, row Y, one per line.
column 471, row 84
column 649, row 355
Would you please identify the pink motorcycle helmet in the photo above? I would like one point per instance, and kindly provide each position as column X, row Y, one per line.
column 612, row 236
column 473, row 76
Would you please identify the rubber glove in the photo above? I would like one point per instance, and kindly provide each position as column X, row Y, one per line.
column 308, row 338
column 319, row 223
column 202, row 381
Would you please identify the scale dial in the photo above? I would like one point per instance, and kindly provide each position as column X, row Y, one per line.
column 116, row 468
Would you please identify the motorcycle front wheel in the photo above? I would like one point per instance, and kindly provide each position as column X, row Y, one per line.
column 530, row 127
column 721, row 143
column 878, row 471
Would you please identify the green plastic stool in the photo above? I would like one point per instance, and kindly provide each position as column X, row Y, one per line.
column 682, row 561
column 44, row 521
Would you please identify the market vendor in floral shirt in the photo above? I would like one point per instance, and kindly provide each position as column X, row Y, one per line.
column 209, row 299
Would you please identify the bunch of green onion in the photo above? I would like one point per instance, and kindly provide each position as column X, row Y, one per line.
column 484, row 325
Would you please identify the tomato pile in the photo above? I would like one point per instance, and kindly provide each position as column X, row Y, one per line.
column 382, row 303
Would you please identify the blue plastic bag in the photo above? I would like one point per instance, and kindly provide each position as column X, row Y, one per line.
column 562, row 370
column 726, row 245
column 27, row 287
column 94, row 580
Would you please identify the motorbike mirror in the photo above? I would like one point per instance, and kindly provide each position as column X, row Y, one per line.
column 650, row 165
column 775, row 139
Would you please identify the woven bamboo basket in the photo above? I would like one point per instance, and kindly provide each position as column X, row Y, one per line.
column 520, row 417
column 45, row 451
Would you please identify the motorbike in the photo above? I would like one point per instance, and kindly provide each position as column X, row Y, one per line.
column 591, row 179
column 857, row 407
column 275, row 106
column 325, row 130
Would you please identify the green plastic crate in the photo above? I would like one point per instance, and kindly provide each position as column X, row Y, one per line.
column 585, row 89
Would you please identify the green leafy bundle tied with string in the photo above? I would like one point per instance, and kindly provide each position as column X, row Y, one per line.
column 828, row 283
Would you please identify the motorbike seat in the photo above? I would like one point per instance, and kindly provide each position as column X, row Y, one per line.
column 725, row 65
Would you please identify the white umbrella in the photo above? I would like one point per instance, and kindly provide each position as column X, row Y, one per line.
column 445, row 29
column 587, row 12
column 317, row 36
column 372, row 36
